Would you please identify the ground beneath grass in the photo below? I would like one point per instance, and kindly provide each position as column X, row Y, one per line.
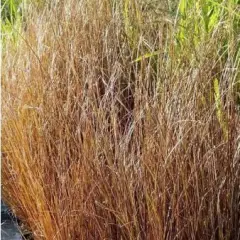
column 9, row 231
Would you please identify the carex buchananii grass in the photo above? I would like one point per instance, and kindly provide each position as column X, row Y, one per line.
column 121, row 120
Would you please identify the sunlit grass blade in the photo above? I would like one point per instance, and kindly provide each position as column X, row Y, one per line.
column 219, row 109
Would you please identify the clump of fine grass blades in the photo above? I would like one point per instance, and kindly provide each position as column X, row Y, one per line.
column 121, row 120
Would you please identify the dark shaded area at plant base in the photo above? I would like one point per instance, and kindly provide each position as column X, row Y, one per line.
column 9, row 231
column 9, row 224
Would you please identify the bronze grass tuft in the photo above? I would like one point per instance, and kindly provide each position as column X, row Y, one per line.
column 111, row 127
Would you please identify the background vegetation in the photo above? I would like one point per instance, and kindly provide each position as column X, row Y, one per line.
column 121, row 118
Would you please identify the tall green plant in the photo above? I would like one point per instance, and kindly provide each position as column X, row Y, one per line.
column 11, row 19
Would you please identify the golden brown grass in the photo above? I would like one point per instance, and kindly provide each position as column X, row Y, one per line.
column 96, row 145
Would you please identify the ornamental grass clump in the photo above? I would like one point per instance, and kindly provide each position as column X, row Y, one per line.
column 120, row 120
